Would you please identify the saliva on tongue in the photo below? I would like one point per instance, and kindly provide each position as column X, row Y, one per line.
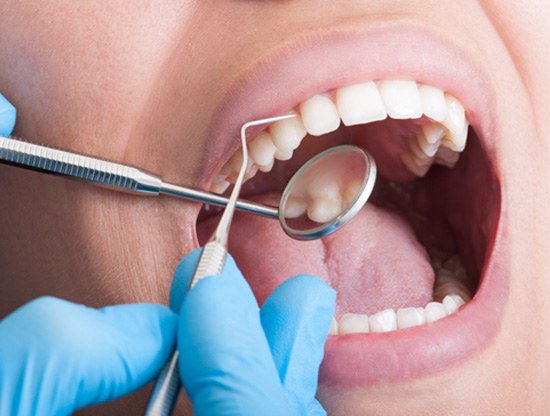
column 374, row 262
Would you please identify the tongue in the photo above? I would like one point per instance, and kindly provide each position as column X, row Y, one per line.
column 375, row 262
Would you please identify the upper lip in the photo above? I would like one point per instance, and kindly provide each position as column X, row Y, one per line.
column 343, row 56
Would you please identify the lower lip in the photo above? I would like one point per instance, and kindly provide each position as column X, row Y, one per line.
column 367, row 359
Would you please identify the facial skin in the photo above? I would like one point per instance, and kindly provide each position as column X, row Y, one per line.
column 141, row 84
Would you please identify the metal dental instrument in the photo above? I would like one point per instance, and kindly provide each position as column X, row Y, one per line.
column 116, row 176
column 350, row 167
column 211, row 263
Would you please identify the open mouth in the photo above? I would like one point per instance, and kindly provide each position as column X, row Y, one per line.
column 412, row 269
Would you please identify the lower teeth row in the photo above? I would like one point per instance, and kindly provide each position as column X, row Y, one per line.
column 449, row 288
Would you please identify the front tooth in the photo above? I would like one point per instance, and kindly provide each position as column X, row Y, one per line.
column 333, row 330
column 288, row 134
column 323, row 210
column 409, row 317
column 434, row 105
column 360, row 104
column 401, row 98
column 456, row 118
column 383, row 321
column 435, row 311
column 319, row 115
column 262, row 150
column 353, row 323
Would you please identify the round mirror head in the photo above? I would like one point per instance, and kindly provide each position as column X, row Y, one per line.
column 327, row 192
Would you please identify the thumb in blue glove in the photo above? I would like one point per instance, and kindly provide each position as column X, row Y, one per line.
column 230, row 363
column 7, row 117
column 56, row 356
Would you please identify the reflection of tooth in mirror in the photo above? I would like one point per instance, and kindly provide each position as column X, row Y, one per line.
column 327, row 192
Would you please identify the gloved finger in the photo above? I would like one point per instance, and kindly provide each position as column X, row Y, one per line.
column 58, row 356
column 7, row 117
column 225, row 362
column 296, row 319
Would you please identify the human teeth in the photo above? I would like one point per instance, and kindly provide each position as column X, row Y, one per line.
column 446, row 157
column 435, row 311
column 383, row 321
column 333, row 330
column 401, row 98
column 295, row 207
column 415, row 165
column 452, row 303
column 262, row 150
column 360, row 104
column 428, row 149
column 448, row 284
column 268, row 167
column 353, row 323
column 456, row 142
column 409, row 317
column 433, row 132
column 288, row 134
column 417, row 151
column 220, row 187
column 319, row 115
column 456, row 118
column 433, row 102
column 351, row 192
column 323, row 210
column 439, row 137
column 325, row 200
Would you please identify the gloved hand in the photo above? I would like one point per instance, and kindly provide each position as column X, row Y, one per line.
column 56, row 356
column 238, row 360
column 7, row 117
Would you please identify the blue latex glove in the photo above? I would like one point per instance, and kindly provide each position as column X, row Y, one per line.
column 238, row 360
column 56, row 356
column 7, row 117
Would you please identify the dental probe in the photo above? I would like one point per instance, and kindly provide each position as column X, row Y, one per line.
column 211, row 263
column 112, row 175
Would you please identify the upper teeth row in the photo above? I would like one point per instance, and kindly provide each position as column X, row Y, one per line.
column 440, row 140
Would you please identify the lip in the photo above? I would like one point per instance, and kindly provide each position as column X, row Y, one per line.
column 304, row 66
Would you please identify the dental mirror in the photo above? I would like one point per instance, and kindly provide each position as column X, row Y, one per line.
column 327, row 192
